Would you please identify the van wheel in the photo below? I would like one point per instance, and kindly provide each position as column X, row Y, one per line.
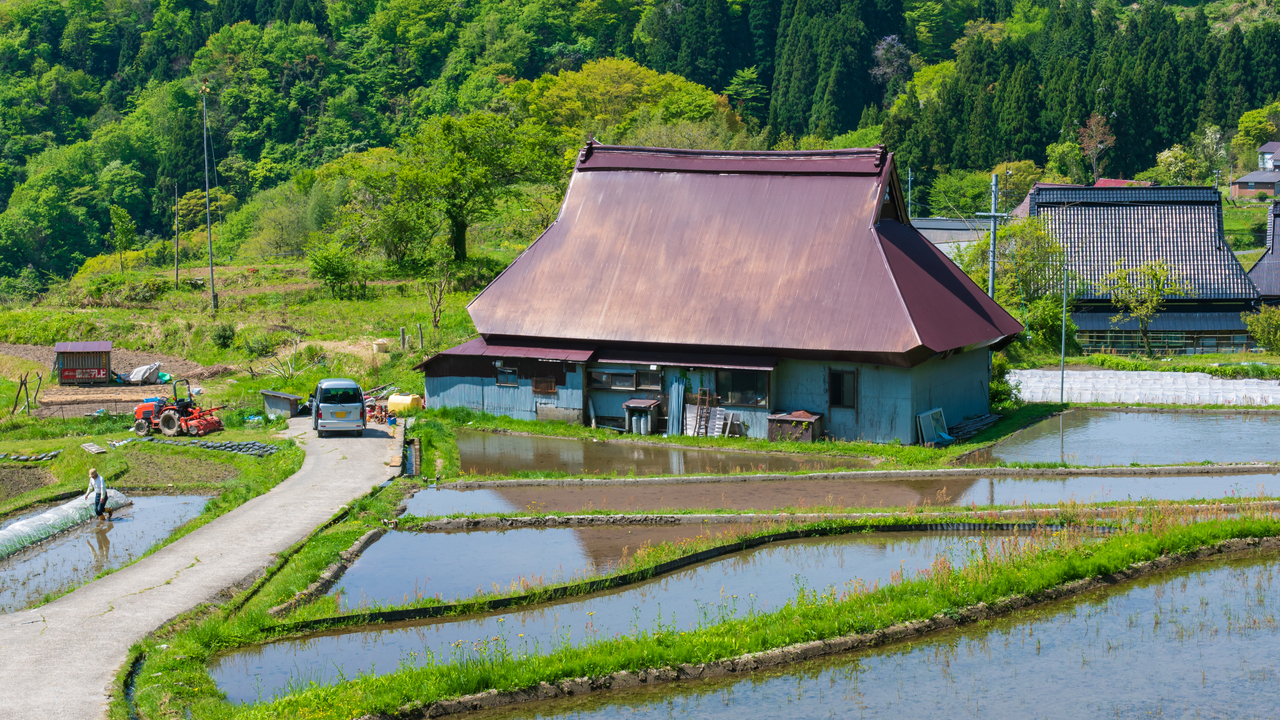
column 320, row 433
column 359, row 433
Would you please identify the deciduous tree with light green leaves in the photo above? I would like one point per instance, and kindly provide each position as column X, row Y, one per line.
column 124, row 233
column 1264, row 326
column 467, row 164
column 1140, row 292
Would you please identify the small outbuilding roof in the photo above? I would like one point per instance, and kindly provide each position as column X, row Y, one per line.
column 716, row 251
column 78, row 347
column 1258, row 176
column 1269, row 147
column 538, row 351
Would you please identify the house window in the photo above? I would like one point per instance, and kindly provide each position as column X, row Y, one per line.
column 507, row 377
column 843, row 386
column 742, row 387
column 601, row 380
column 1250, row 186
column 649, row 379
column 544, row 386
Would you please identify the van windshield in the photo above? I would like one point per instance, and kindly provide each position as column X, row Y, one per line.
column 341, row 396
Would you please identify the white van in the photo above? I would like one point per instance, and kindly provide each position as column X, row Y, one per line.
column 338, row 404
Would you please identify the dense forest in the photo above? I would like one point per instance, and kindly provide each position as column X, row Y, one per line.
column 364, row 124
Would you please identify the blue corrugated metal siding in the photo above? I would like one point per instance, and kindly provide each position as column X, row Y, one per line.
column 754, row 420
column 456, row 392
column 958, row 385
column 516, row 402
column 482, row 394
column 569, row 397
column 884, row 399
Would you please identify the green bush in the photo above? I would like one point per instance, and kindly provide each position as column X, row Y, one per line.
column 1043, row 322
column 1264, row 326
column 258, row 344
column 1003, row 393
column 224, row 335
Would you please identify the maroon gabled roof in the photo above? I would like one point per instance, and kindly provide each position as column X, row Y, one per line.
column 74, row 347
column 740, row 252
column 478, row 346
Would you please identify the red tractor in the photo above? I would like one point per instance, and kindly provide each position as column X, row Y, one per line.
column 175, row 416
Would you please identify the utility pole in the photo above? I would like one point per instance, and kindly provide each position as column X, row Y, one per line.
column 910, row 176
column 995, row 225
column 208, row 218
column 175, row 233
column 1062, row 359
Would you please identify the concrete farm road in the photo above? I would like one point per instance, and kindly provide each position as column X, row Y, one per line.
column 59, row 660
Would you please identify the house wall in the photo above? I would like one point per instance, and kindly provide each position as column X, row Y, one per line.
column 883, row 410
column 1242, row 189
column 959, row 385
column 888, row 397
column 520, row 402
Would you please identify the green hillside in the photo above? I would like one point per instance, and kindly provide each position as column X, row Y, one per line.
column 324, row 114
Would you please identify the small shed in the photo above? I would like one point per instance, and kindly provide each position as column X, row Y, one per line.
column 82, row 363
column 279, row 403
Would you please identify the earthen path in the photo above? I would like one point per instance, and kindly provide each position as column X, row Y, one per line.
column 59, row 660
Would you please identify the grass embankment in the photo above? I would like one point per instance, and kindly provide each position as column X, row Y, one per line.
column 436, row 428
column 173, row 678
column 266, row 317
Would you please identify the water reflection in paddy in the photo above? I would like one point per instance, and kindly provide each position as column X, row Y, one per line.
column 1110, row 437
column 404, row 566
column 485, row 453
column 763, row 579
column 86, row 550
column 799, row 494
column 1196, row 643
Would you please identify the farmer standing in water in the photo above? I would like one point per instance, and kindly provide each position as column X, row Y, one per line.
column 98, row 486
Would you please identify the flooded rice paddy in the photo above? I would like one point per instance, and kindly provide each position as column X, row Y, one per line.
column 1110, row 437
column 485, row 453
column 404, row 566
column 762, row 579
column 76, row 556
column 1200, row 642
column 785, row 495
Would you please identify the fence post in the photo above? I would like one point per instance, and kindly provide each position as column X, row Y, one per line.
column 403, row 344
column 420, row 336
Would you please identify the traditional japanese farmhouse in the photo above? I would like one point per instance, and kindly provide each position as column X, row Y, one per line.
column 756, row 283
column 1265, row 273
column 1102, row 227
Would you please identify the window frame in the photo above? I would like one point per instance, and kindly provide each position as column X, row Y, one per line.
column 609, row 383
column 721, row 396
column 515, row 378
column 831, row 388
column 643, row 386
column 544, row 386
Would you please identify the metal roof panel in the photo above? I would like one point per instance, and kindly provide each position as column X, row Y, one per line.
column 780, row 261
column 74, row 347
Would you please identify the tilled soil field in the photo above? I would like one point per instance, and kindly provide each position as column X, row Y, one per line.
column 15, row 479
column 71, row 401
column 121, row 360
